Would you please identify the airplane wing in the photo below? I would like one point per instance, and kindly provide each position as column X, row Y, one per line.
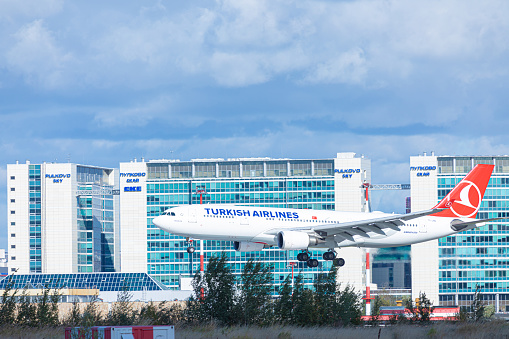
column 362, row 227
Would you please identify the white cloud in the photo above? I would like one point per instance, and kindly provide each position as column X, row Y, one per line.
column 349, row 67
column 238, row 69
column 38, row 57
column 11, row 10
column 370, row 43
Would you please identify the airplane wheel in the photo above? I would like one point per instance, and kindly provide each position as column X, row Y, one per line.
column 190, row 249
column 312, row 263
column 303, row 256
column 339, row 262
column 329, row 256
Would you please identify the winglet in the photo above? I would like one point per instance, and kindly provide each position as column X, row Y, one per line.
column 465, row 198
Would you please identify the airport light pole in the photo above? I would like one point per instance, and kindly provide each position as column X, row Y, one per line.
column 368, row 297
column 201, row 191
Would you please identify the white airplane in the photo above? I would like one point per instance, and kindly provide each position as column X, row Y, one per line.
column 255, row 228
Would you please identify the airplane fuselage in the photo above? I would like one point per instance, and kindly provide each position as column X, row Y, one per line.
column 261, row 224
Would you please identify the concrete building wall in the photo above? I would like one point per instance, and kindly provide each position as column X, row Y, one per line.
column 18, row 222
column 59, row 245
column 133, row 214
column 351, row 171
column 423, row 181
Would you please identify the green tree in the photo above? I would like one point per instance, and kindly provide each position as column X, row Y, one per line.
column 91, row 315
column 477, row 306
column 325, row 297
column 47, row 307
column 303, row 313
column 381, row 300
column 425, row 308
column 254, row 302
column 27, row 311
column 122, row 312
column 73, row 319
column 8, row 306
column 218, row 284
column 283, row 305
column 348, row 307
column 160, row 314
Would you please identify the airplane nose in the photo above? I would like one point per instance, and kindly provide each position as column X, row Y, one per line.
column 157, row 221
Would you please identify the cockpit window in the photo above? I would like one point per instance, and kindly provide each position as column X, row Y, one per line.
column 172, row 214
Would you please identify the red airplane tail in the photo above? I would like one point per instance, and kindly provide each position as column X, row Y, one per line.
column 465, row 198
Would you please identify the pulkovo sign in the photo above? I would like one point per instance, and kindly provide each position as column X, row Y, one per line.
column 57, row 178
column 423, row 171
column 347, row 172
column 132, row 178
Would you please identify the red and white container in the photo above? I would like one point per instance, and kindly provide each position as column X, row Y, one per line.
column 123, row 332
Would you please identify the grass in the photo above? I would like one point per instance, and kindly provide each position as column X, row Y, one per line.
column 486, row 330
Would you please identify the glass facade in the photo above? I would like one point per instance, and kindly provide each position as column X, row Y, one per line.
column 34, row 191
column 304, row 184
column 479, row 256
column 95, row 220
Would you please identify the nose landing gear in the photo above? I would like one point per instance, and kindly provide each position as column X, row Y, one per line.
column 190, row 248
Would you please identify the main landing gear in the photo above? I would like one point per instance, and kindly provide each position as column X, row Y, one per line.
column 304, row 256
column 329, row 255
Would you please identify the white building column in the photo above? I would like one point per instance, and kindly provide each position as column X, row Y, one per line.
column 424, row 195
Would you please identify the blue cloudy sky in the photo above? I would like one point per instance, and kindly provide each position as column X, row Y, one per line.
column 100, row 82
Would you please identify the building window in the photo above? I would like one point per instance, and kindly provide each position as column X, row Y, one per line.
column 204, row 170
column 445, row 165
column 13, row 212
column 298, row 168
column 229, row 170
column 13, row 200
column 502, row 165
column 13, row 270
column 13, row 246
column 13, row 223
column 277, row 169
column 13, row 189
column 324, row 168
column 463, row 165
column 157, row 171
column 13, row 235
column 252, row 169
column 13, row 177
column 13, row 258
column 181, row 171
column 483, row 160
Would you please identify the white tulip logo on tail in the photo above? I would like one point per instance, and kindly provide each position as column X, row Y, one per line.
column 469, row 200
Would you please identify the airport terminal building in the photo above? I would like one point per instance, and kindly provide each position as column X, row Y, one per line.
column 149, row 188
column 62, row 218
column 69, row 218
column 449, row 269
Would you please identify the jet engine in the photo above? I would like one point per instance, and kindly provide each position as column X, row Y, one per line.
column 293, row 240
column 456, row 225
column 245, row 246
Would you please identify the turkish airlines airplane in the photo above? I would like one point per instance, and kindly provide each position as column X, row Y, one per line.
column 255, row 228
